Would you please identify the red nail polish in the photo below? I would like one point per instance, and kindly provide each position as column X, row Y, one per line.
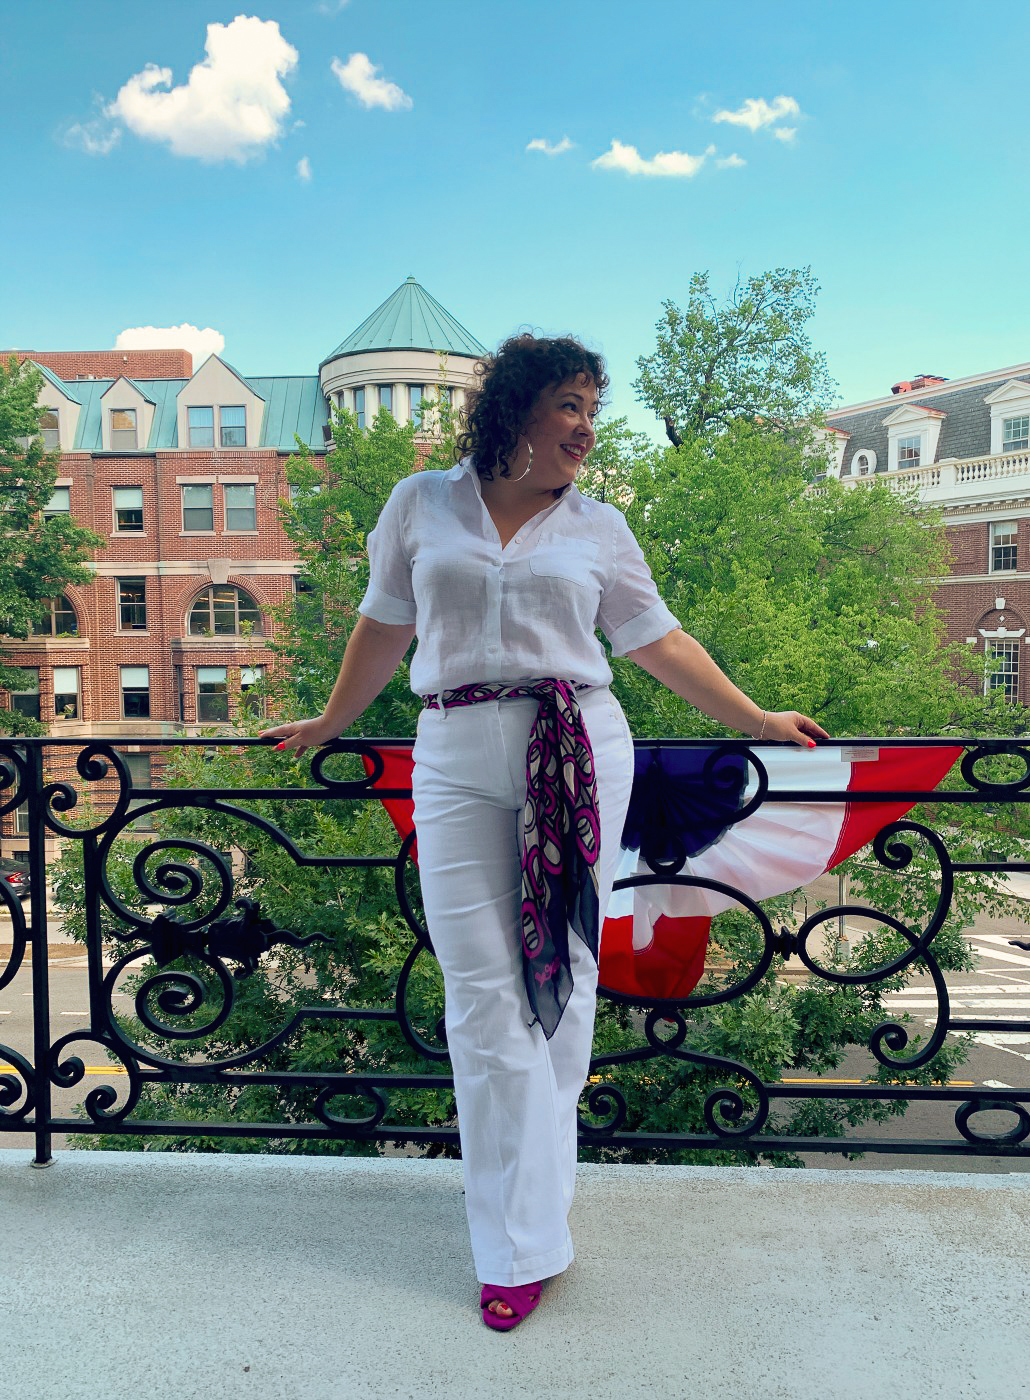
column 811, row 743
column 282, row 745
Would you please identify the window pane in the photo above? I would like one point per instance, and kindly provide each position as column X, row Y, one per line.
column 66, row 692
column 132, row 604
column 221, row 609
column 65, row 622
column 212, row 693
column 240, row 507
column 223, row 606
column 386, row 397
column 128, row 508
column 1004, row 668
column 135, row 692
column 415, row 393
column 201, row 423
column 233, row 423
column 59, row 621
column 123, row 429
column 359, row 406
column 251, row 676
column 908, row 451
column 26, row 698
column 60, row 502
column 50, row 428
column 198, row 508
column 1016, row 433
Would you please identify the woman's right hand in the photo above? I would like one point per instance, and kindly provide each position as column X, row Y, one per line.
column 302, row 734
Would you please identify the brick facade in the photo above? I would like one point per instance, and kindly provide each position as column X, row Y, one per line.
column 178, row 566
column 973, row 465
column 109, row 364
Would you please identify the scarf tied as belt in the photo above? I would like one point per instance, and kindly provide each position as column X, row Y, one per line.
column 561, row 837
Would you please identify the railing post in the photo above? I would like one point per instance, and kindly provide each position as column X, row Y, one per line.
column 39, row 943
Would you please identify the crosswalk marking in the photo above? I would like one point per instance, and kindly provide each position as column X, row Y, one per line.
column 964, row 1004
column 979, row 989
column 996, row 955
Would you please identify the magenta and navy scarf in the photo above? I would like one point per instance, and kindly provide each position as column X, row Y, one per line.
column 561, row 837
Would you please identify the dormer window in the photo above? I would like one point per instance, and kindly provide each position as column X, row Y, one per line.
column 123, row 430
column 913, row 436
column 50, row 427
column 1015, row 435
column 864, row 462
column 201, row 423
column 908, row 452
column 232, row 423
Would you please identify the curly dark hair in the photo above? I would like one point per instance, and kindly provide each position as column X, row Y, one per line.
column 496, row 410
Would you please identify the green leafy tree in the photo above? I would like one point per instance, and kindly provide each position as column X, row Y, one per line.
column 819, row 598
column 750, row 358
column 39, row 557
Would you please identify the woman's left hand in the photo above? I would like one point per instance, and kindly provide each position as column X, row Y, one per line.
column 794, row 728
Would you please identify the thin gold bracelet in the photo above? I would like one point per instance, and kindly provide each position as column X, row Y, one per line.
column 765, row 720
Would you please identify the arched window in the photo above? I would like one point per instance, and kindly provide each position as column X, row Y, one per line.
column 224, row 611
column 61, row 620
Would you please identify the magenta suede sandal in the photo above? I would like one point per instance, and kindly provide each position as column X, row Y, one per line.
column 522, row 1300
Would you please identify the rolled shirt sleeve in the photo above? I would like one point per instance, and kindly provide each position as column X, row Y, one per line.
column 632, row 613
column 389, row 597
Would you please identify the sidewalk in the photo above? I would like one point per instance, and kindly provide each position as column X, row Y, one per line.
column 187, row 1276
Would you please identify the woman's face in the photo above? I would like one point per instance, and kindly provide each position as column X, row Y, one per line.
column 561, row 430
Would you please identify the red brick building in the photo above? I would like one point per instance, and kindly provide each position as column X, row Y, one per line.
column 963, row 445
column 182, row 472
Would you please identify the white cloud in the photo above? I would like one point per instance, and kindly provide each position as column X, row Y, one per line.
column 731, row 162
column 358, row 76
column 200, row 343
column 233, row 104
column 672, row 163
column 304, row 169
column 331, row 7
column 96, row 137
column 785, row 133
column 756, row 112
column 539, row 144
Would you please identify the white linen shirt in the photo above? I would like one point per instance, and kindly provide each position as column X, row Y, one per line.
column 483, row 613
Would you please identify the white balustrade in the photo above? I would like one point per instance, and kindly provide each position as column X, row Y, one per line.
column 957, row 479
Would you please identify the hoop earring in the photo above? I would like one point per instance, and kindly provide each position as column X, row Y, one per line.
column 529, row 464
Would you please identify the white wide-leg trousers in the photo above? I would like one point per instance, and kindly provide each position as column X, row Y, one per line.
column 516, row 1091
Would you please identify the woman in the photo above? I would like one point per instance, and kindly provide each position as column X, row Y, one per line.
column 523, row 767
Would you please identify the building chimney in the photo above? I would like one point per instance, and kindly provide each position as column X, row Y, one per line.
column 921, row 381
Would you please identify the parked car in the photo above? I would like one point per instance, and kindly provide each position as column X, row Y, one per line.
column 16, row 877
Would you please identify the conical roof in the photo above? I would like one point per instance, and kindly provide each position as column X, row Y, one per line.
column 410, row 319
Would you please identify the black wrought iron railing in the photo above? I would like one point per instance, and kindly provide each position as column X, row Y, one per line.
column 172, row 915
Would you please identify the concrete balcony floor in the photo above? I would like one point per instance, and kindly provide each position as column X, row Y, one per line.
column 128, row 1274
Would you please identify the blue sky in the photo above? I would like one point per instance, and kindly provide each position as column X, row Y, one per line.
column 276, row 176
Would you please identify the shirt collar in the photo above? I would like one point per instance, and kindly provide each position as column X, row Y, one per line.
column 467, row 467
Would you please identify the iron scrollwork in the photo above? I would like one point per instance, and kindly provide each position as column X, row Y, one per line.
column 189, row 943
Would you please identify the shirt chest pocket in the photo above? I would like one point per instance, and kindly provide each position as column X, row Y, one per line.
column 565, row 557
